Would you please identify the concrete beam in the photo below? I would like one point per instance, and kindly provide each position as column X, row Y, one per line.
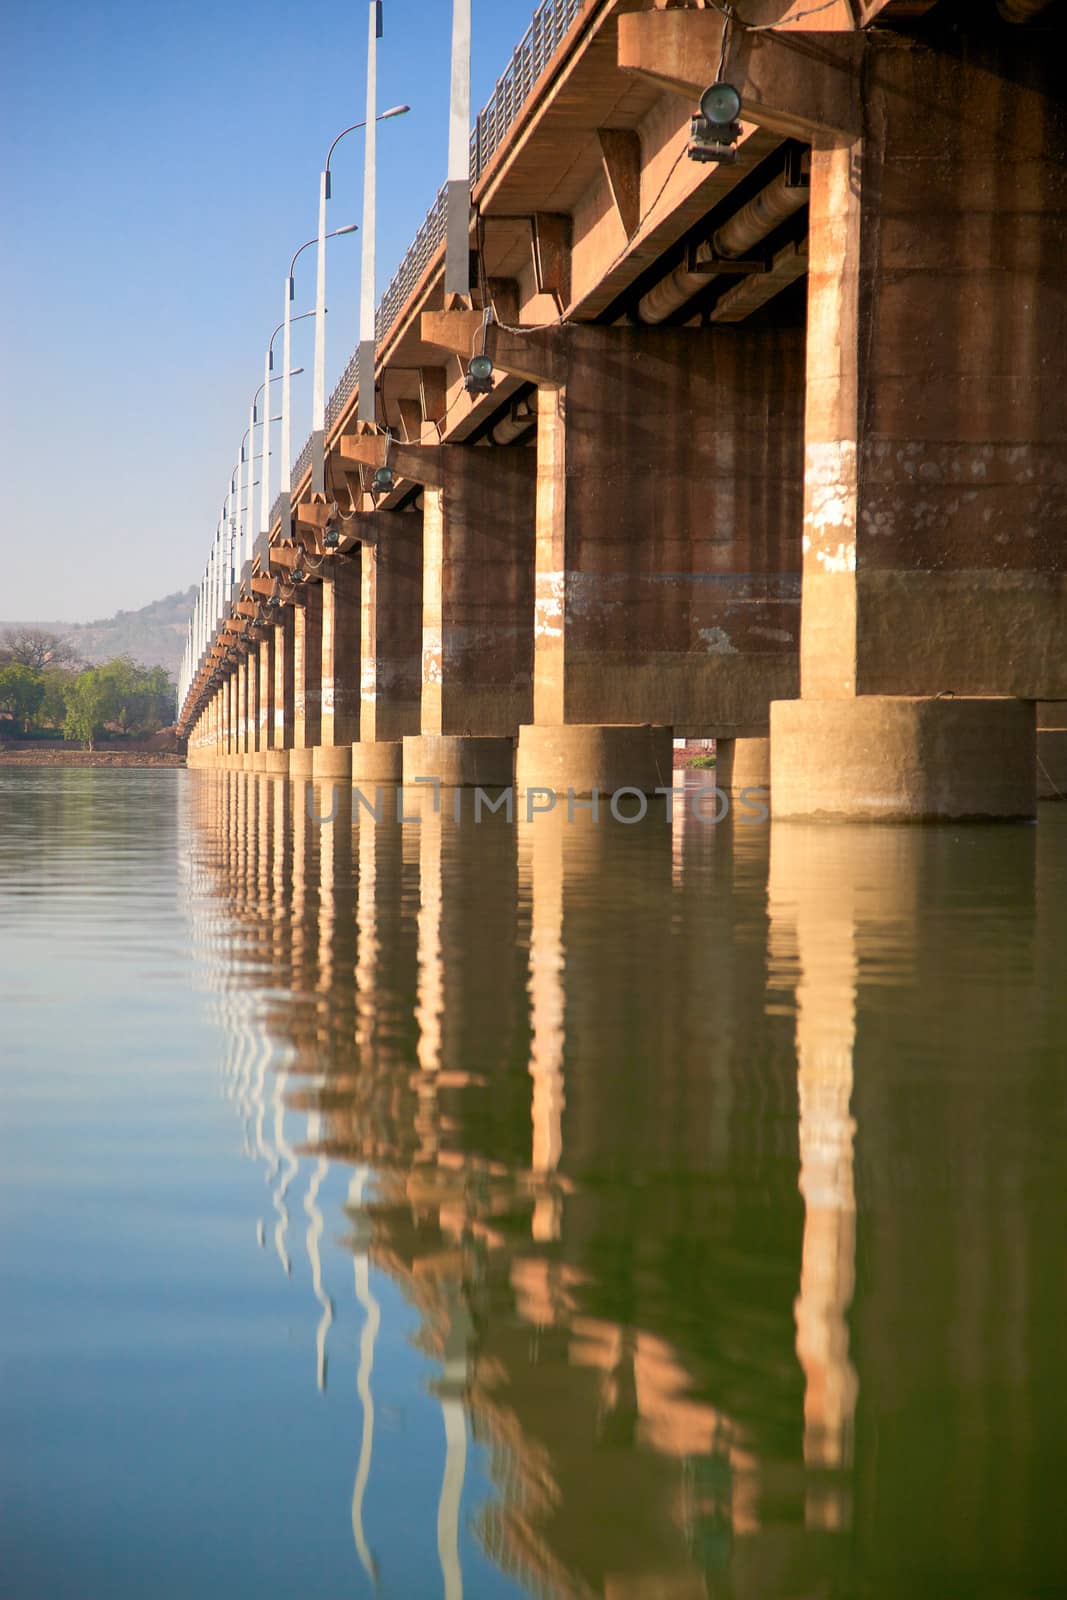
column 537, row 355
column 551, row 233
column 420, row 463
column 620, row 150
column 799, row 84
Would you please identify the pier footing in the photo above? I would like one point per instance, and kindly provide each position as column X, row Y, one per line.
column 332, row 761
column 605, row 757
column 378, row 761
column 459, row 761
column 903, row 759
column 742, row 764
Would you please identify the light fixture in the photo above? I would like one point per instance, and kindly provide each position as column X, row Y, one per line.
column 384, row 481
column 331, row 539
column 479, row 379
column 298, row 574
column 715, row 129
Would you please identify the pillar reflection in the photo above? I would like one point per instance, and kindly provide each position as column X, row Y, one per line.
column 824, row 889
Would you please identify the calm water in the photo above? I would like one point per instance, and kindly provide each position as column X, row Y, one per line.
column 423, row 1209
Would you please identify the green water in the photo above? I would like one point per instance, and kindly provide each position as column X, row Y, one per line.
column 428, row 1209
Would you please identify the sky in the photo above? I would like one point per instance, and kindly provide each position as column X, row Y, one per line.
column 160, row 164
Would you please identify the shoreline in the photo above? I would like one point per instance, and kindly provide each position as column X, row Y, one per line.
column 90, row 758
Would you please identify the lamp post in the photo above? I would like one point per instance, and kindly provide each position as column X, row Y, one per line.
column 457, row 235
column 318, row 420
column 268, row 368
column 247, row 550
column 287, row 321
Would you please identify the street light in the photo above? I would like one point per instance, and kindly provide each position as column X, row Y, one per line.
column 457, row 227
column 318, row 419
column 287, row 320
column 249, row 434
column 268, row 368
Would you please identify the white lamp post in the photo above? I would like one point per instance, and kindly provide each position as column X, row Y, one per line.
column 457, row 237
column 287, row 321
column 318, row 420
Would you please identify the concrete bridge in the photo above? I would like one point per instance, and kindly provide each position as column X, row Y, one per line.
column 773, row 448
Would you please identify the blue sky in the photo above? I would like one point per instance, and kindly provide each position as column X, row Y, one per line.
column 160, row 166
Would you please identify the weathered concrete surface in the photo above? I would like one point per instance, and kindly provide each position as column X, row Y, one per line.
column 378, row 761
column 284, row 682
column 331, row 761
column 251, row 670
column 742, row 764
column 240, row 743
column 391, row 670
column 478, row 579
column 936, row 437
column 340, row 651
column 307, row 669
column 594, row 759
column 459, row 761
column 903, row 759
column 669, row 470
column 266, row 690
column 668, row 546
column 301, row 762
column 276, row 762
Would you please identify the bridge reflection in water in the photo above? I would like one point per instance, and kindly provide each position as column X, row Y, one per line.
column 703, row 1154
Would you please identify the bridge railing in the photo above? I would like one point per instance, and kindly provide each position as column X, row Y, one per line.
column 493, row 124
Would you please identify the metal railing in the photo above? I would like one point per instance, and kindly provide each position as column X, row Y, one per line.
column 538, row 46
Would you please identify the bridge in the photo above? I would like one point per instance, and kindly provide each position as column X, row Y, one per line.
column 754, row 432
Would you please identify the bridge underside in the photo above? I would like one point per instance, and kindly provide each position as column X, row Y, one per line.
column 787, row 431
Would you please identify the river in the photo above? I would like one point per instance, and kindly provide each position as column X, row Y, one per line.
column 419, row 1207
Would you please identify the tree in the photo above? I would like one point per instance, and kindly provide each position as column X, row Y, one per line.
column 21, row 692
column 53, row 709
column 36, row 647
column 121, row 692
column 87, row 706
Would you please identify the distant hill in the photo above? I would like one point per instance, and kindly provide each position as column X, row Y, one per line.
column 154, row 636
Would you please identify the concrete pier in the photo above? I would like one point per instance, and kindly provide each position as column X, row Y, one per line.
column 903, row 759
column 767, row 450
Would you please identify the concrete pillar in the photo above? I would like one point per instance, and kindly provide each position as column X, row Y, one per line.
column 229, row 714
column 669, row 465
column 884, row 758
column 742, row 764
column 282, row 742
column 477, row 617
column 266, row 699
column 934, row 561
column 251, row 667
column 391, row 644
column 220, row 723
column 340, row 666
column 241, row 676
column 307, row 679
column 936, row 417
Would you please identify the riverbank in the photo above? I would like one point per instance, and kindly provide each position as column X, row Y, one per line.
column 28, row 757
